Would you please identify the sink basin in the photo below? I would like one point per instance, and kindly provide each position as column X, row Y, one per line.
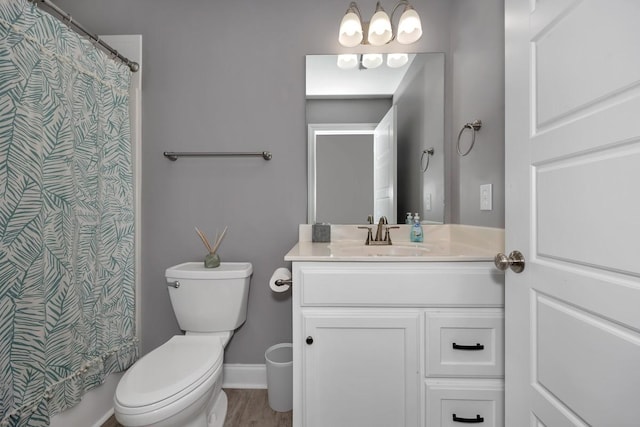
column 391, row 250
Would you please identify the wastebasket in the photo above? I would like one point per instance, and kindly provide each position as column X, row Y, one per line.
column 279, row 360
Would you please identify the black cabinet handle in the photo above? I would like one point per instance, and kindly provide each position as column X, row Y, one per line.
column 478, row 346
column 309, row 340
column 477, row 419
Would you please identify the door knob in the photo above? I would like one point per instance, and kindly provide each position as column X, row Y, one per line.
column 515, row 260
column 309, row 340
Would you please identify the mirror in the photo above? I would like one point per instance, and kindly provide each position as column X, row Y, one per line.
column 375, row 139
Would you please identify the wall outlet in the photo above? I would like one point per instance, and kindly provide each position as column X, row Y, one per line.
column 486, row 197
column 427, row 202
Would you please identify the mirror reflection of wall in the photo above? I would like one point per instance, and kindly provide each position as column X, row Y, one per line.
column 420, row 103
column 341, row 102
column 343, row 187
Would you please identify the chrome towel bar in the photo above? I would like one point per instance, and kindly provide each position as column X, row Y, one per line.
column 173, row 155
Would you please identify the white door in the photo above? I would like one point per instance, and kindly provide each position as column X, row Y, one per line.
column 385, row 202
column 573, row 210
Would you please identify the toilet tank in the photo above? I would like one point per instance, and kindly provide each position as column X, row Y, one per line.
column 209, row 299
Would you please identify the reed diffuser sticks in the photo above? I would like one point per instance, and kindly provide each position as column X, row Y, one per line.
column 212, row 249
column 204, row 239
column 212, row 260
column 218, row 241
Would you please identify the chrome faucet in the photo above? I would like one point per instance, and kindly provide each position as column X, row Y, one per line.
column 381, row 223
column 383, row 227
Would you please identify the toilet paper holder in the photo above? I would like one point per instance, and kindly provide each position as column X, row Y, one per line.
column 283, row 282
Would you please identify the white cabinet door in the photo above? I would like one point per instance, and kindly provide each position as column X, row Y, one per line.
column 572, row 155
column 361, row 368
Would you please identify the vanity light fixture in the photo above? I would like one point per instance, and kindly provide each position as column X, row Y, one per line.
column 351, row 27
column 372, row 60
column 397, row 60
column 348, row 61
column 379, row 30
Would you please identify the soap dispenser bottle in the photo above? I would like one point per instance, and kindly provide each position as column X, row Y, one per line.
column 416, row 229
column 409, row 219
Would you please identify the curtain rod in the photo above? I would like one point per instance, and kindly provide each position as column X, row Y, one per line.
column 66, row 18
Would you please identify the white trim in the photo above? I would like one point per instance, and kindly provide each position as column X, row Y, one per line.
column 104, row 418
column 315, row 129
column 237, row 375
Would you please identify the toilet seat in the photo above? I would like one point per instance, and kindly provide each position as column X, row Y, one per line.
column 169, row 373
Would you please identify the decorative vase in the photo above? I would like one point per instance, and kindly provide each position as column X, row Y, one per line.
column 212, row 261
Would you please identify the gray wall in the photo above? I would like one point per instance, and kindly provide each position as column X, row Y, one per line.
column 344, row 178
column 228, row 76
column 477, row 64
column 369, row 110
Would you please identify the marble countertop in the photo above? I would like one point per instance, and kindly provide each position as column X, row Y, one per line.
column 442, row 243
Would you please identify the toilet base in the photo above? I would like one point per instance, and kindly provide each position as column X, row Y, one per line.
column 218, row 412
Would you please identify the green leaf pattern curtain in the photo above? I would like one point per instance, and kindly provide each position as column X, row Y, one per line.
column 67, row 301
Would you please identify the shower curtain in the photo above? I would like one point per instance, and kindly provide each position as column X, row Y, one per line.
column 66, row 217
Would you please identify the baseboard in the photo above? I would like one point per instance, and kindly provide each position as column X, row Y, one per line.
column 238, row 375
column 104, row 418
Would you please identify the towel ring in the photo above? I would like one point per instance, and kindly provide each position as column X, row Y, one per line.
column 475, row 126
column 430, row 152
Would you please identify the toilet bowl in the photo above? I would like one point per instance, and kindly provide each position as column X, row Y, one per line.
column 173, row 385
column 179, row 384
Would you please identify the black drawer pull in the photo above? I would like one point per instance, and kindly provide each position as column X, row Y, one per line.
column 478, row 346
column 477, row 419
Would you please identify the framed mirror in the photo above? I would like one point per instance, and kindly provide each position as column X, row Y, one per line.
column 375, row 139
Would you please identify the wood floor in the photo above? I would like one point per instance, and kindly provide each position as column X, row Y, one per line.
column 250, row 408
column 247, row 408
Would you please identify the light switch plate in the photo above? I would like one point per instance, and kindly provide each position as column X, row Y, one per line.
column 427, row 202
column 486, row 197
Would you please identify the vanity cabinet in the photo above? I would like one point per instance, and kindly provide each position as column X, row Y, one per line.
column 397, row 344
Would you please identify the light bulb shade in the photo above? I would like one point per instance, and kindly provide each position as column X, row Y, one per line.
column 409, row 26
column 350, row 33
column 372, row 60
column 379, row 28
column 347, row 61
column 397, row 60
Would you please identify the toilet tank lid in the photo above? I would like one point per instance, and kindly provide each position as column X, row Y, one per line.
column 196, row 270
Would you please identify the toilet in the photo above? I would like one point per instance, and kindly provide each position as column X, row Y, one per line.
column 179, row 384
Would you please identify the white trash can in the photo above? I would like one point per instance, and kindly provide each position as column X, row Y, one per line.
column 279, row 360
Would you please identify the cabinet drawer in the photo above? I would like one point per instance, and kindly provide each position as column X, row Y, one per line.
column 456, row 403
column 461, row 343
column 453, row 284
